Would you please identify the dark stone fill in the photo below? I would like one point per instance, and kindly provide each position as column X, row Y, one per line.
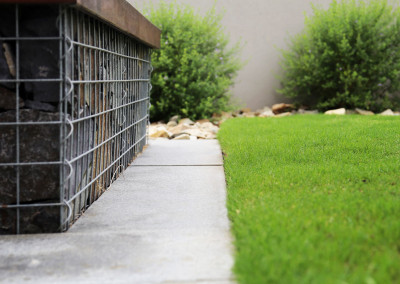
column 33, row 220
column 39, row 59
column 38, row 20
column 38, row 183
column 7, row 20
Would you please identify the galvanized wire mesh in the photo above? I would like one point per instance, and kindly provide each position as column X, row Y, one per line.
column 80, row 95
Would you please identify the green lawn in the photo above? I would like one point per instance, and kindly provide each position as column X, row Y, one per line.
column 314, row 199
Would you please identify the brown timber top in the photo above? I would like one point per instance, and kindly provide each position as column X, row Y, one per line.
column 118, row 13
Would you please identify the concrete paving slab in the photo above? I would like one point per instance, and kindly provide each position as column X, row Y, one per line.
column 156, row 224
column 180, row 153
column 115, row 257
column 160, row 198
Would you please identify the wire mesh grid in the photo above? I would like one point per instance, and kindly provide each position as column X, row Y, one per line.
column 80, row 93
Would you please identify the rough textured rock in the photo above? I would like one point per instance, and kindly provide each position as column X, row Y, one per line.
column 40, row 59
column 200, row 133
column 159, row 131
column 186, row 121
column 37, row 142
column 208, row 126
column 32, row 220
column 175, row 118
column 172, row 123
column 364, row 112
column 283, row 114
column 178, row 129
column 7, row 100
column 280, row 108
column 339, row 111
column 265, row 112
column 38, row 183
column 204, row 130
column 182, row 137
column 40, row 106
column 387, row 112
column 248, row 114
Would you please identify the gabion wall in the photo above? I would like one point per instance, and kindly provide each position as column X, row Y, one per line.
column 74, row 101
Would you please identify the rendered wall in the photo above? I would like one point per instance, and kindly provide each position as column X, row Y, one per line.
column 264, row 25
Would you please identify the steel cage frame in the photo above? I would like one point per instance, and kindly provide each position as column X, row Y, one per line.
column 102, row 113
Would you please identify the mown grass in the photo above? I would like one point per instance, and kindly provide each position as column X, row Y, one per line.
column 314, row 199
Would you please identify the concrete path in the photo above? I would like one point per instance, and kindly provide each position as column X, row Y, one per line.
column 163, row 221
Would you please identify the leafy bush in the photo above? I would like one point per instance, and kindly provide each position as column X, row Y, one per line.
column 194, row 68
column 347, row 56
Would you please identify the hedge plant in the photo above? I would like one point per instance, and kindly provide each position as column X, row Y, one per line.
column 194, row 68
column 347, row 56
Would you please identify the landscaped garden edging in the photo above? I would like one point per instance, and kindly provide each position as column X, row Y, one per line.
column 186, row 129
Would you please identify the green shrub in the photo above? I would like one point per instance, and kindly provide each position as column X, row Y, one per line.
column 194, row 68
column 347, row 56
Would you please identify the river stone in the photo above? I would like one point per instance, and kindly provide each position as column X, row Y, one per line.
column 364, row 112
column 339, row 111
column 208, row 126
column 172, row 123
column 387, row 112
column 266, row 112
column 175, row 118
column 283, row 114
column 187, row 121
column 182, row 137
column 179, row 129
column 248, row 114
column 159, row 131
column 282, row 107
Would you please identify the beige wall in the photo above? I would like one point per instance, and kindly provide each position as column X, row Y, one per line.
column 264, row 26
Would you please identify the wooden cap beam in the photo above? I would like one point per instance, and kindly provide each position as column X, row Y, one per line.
column 118, row 13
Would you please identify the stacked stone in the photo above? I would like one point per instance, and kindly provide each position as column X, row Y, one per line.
column 37, row 102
